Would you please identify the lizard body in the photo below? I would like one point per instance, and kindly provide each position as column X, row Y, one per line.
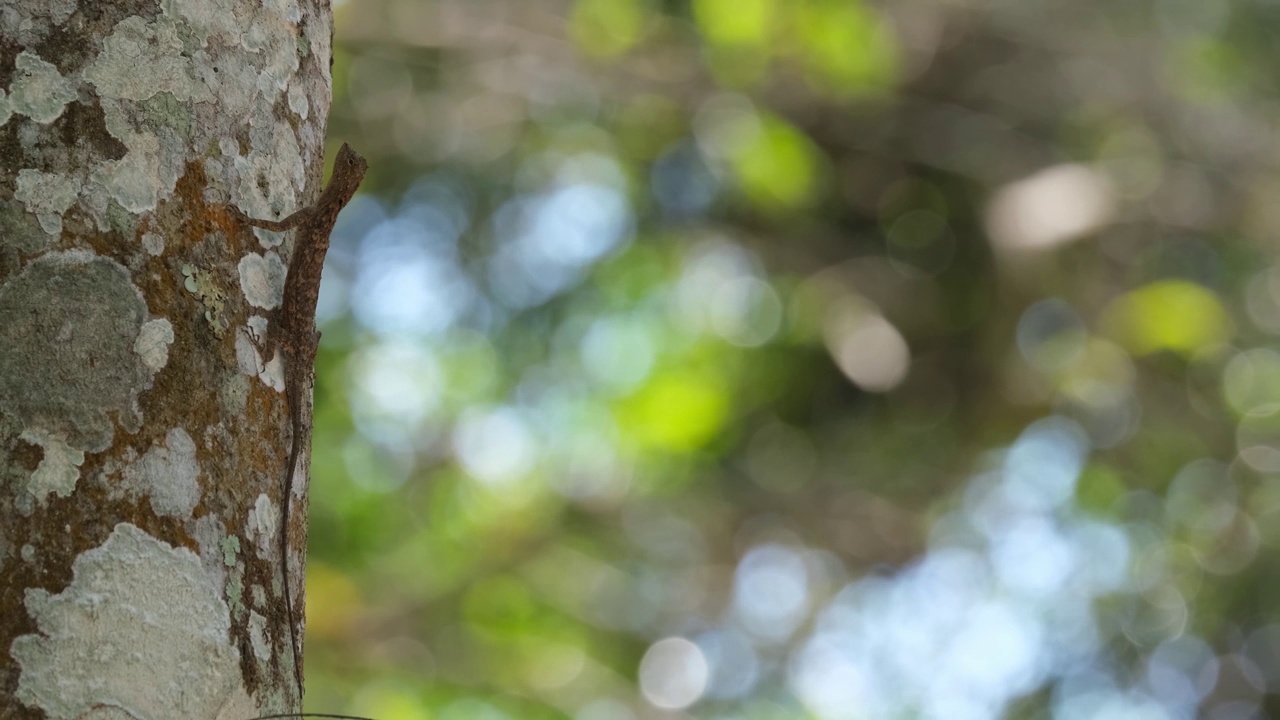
column 293, row 330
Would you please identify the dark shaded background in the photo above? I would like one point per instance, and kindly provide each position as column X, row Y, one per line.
column 764, row 359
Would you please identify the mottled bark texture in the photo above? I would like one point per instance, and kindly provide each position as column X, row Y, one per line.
column 142, row 437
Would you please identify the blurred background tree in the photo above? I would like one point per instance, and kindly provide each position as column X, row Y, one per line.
column 764, row 359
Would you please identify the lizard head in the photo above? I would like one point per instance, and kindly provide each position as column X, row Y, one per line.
column 350, row 161
column 348, row 170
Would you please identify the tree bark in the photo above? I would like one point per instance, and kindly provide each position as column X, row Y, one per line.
column 142, row 439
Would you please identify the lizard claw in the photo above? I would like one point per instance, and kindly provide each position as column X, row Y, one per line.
column 271, row 370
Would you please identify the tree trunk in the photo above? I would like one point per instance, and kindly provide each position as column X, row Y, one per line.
column 142, row 441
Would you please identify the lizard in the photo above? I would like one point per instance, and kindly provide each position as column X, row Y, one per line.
column 293, row 330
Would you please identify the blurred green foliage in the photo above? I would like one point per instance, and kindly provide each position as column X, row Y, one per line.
column 819, row 359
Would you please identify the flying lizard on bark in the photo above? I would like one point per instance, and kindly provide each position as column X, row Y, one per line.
column 293, row 330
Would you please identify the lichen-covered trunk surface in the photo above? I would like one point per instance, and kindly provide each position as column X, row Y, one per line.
column 142, row 438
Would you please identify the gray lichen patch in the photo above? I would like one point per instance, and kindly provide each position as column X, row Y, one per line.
column 234, row 395
column 22, row 233
column 141, row 59
column 207, row 19
column 27, row 21
column 139, row 179
column 208, row 533
column 298, row 101
column 258, row 637
column 47, row 196
column 138, row 628
column 263, row 525
column 269, row 177
column 59, row 468
column 39, row 91
column 166, row 475
column 23, row 237
column 67, row 360
column 163, row 110
column 262, row 280
column 153, row 243
column 153, row 343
